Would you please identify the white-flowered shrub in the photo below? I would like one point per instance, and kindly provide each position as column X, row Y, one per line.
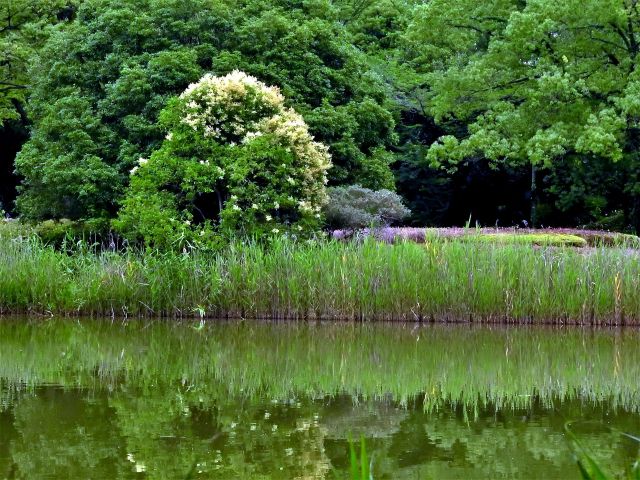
column 235, row 160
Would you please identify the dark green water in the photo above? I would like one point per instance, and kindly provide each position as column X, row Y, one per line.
column 95, row 399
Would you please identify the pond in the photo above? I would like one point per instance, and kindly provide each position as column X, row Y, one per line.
column 160, row 399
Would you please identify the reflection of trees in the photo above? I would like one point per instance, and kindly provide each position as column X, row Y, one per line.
column 511, row 444
column 343, row 418
column 171, row 431
column 8, row 434
column 279, row 440
column 175, row 398
column 61, row 434
column 167, row 430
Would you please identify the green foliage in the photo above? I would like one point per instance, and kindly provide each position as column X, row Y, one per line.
column 590, row 469
column 458, row 98
column 57, row 232
column 357, row 207
column 100, row 83
column 376, row 25
column 359, row 468
column 98, row 86
column 234, row 160
column 24, row 27
column 586, row 190
column 531, row 82
column 302, row 48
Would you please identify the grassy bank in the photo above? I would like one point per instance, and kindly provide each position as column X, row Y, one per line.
column 453, row 281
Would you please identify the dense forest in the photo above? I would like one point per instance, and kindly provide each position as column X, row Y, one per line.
column 503, row 112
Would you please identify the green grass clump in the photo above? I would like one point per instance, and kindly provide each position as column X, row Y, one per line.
column 441, row 280
column 359, row 466
column 539, row 239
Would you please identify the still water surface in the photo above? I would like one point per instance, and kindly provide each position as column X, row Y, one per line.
column 96, row 399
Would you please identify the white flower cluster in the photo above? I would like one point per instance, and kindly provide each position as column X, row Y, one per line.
column 293, row 132
column 218, row 105
column 141, row 163
column 238, row 108
column 233, row 87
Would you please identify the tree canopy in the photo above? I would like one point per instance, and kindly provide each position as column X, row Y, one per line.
column 502, row 111
column 23, row 29
column 100, row 83
column 533, row 82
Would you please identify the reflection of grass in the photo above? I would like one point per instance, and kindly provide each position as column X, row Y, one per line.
column 590, row 469
column 440, row 280
column 470, row 367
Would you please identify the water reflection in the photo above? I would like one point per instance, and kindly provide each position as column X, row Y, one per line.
column 92, row 400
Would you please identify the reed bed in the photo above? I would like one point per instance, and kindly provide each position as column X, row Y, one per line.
column 364, row 281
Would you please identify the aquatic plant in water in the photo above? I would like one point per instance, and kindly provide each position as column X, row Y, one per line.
column 592, row 469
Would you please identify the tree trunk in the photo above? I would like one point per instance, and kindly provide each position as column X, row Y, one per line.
column 533, row 218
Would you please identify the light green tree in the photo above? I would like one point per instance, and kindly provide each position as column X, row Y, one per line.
column 532, row 82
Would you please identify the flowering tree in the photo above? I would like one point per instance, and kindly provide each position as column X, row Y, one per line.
column 235, row 160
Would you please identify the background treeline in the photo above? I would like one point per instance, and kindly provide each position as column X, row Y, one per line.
column 502, row 112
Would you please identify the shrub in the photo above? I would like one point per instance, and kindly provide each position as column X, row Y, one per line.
column 357, row 207
column 11, row 228
column 235, row 160
column 56, row 232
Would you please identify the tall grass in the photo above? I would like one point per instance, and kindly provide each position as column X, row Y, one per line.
column 437, row 281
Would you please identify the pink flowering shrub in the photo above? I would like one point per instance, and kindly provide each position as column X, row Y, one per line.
column 235, row 161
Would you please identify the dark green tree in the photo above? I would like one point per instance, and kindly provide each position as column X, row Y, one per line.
column 24, row 27
column 100, row 83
